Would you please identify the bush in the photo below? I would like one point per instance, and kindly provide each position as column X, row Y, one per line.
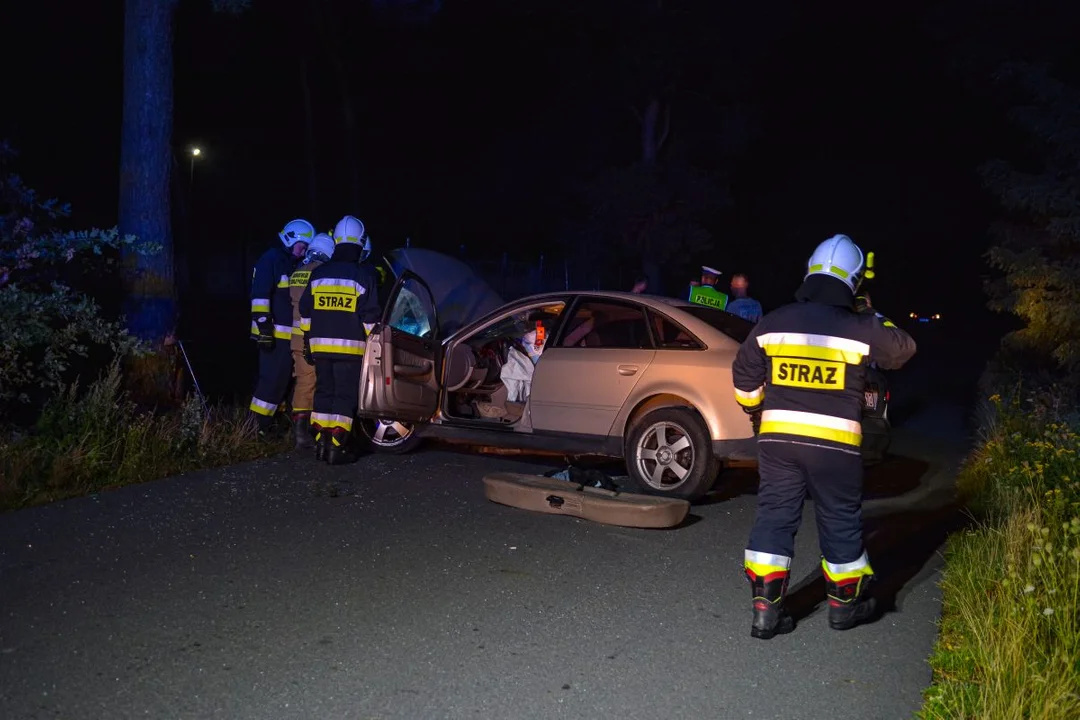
column 48, row 324
column 1010, row 631
column 86, row 441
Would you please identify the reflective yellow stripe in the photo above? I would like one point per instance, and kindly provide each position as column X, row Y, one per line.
column 337, row 345
column 750, row 399
column 329, row 421
column 840, row 272
column 262, row 407
column 762, row 564
column 847, row 571
column 305, row 324
column 283, row 332
column 283, row 281
column 260, row 305
column 338, row 285
column 821, row 427
column 813, row 347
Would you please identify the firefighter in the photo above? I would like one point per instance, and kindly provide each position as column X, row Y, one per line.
column 319, row 252
column 337, row 309
column 803, row 368
column 271, row 319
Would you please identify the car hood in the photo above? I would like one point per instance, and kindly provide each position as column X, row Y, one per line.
column 460, row 295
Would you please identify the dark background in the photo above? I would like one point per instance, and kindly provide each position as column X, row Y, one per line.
column 476, row 131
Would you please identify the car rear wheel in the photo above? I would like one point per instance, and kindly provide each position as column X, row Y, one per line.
column 390, row 437
column 668, row 452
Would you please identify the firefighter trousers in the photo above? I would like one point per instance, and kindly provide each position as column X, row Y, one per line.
column 833, row 478
column 303, row 395
column 275, row 371
column 337, row 389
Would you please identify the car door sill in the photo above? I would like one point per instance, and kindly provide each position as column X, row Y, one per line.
column 506, row 438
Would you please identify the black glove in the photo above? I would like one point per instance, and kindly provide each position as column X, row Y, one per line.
column 755, row 421
column 266, row 334
column 307, row 351
column 863, row 305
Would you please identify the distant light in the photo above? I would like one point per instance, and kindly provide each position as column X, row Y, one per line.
column 913, row 316
column 196, row 152
column 937, row 316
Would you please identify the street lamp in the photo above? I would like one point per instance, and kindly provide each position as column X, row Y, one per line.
column 195, row 152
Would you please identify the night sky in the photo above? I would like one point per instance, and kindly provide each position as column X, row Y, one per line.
column 476, row 129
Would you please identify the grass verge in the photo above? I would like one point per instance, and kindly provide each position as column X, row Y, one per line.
column 1009, row 642
column 93, row 439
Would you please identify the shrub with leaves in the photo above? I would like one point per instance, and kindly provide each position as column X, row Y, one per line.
column 1010, row 630
column 47, row 322
column 1036, row 250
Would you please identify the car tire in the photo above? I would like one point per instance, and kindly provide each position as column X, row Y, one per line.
column 681, row 439
column 387, row 437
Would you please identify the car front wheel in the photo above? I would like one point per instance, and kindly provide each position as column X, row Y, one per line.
column 668, row 452
column 390, row 437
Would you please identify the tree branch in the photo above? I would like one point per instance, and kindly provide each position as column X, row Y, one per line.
column 667, row 127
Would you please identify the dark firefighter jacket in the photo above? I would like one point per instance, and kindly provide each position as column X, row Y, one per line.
column 804, row 366
column 339, row 306
column 297, row 282
column 270, row 292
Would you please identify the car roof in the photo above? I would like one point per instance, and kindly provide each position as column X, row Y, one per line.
column 710, row 334
column 656, row 301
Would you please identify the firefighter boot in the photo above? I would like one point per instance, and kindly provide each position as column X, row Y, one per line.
column 302, row 431
column 322, row 443
column 264, row 425
column 768, row 591
column 849, row 604
column 340, row 452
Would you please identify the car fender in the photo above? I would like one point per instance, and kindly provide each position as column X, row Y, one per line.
column 715, row 404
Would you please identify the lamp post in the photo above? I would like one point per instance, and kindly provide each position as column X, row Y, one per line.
column 195, row 152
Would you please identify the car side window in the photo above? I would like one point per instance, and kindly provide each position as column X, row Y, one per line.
column 670, row 336
column 605, row 324
column 413, row 310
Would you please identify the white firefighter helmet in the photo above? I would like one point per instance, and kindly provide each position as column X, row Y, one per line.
column 839, row 257
column 351, row 230
column 321, row 248
column 297, row 231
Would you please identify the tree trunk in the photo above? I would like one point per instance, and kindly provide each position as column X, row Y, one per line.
column 654, row 130
column 309, row 140
column 146, row 165
column 331, row 42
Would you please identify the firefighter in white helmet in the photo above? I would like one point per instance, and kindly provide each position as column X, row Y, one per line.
column 319, row 252
column 803, row 368
column 271, row 318
column 338, row 308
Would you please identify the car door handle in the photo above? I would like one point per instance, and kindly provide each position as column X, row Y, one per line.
column 628, row 369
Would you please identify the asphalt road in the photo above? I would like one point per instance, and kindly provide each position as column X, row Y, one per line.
column 393, row 589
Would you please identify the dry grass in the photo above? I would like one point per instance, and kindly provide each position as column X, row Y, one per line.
column 86, row 441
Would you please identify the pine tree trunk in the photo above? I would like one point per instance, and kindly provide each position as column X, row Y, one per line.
column 309, row 140
column 146, row 164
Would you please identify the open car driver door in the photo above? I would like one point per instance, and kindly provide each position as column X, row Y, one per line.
column 403, row 360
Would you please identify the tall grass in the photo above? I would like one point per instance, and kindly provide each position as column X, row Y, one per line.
column 92, row 439
column 1009, row 645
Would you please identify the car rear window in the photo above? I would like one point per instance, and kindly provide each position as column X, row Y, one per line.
column 731, row 325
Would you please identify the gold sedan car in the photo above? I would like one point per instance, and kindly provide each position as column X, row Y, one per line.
column 612, row 374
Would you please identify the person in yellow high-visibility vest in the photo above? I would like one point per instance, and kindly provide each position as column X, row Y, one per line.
column 705, row 292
